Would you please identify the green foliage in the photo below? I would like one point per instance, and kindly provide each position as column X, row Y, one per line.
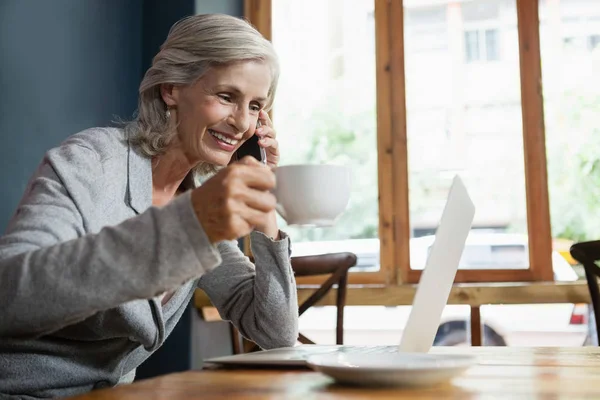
column 574, row 165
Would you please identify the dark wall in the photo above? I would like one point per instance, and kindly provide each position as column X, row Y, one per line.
column 65, row 65
column 231, row 7
column 158, row 17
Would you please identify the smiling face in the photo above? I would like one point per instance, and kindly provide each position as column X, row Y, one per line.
column 220, row 111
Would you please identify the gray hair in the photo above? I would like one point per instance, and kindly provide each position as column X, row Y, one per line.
column 193, row 45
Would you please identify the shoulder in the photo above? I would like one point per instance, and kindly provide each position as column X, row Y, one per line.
column 92, row 150
column 104, row 143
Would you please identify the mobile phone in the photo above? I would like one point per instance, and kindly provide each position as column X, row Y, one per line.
column 251, row 148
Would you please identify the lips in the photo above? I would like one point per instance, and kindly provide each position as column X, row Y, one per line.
column 223, row 138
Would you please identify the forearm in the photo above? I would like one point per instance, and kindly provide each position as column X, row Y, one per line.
column 276, row 304
column 260, row 301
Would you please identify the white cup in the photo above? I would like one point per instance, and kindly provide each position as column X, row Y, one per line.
column 312, row 194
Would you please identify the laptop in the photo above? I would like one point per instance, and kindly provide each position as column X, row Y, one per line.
column 429, row 301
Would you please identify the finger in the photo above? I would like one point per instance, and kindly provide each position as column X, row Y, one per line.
column 264, row 118
column 259, row 200
column 253, row 174
column 272, row 157
column 268, row 142
column 272, row 150
column 266, row 131
column 254, row 217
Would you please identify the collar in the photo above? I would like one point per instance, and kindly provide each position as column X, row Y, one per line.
column 139, row 179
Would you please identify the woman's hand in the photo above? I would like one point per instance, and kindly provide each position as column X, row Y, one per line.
column 268, row 139
column 236, row 200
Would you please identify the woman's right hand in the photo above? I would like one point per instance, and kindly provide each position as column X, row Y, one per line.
column 236, row 199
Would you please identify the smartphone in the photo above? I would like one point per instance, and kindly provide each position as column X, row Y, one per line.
column 251, row 148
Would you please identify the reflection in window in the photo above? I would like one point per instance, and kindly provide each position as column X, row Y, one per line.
column 472, row 46
column 593, row 42
column 482, row 45
column 491, row 45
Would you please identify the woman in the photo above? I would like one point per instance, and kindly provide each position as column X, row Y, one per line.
column 112, row 237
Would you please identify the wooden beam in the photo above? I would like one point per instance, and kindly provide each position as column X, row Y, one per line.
column 259, row 14
column 354, row 278
column 534, row 141
column 483, row 275
column 467, row 294
column 413, row 276
column 209, row 314
column 384, row 138
column 476, row 326
column 399, row 171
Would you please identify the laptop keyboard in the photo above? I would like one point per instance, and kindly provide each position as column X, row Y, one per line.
column 350, row 349
column 368, row 349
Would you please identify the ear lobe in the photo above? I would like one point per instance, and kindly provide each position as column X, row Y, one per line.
column 169, row 94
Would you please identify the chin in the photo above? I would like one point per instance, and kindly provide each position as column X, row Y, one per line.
column 218, row 160
column 211, row 155
column 223, row 161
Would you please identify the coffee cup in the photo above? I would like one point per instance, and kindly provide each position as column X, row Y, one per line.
column 312, row 194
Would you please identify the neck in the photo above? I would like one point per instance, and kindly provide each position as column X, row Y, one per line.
column 169, row 170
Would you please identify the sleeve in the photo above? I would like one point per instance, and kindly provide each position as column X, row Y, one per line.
column 261, row 301
column 53, row 275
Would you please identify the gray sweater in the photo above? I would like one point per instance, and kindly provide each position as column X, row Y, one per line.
column 86, row 258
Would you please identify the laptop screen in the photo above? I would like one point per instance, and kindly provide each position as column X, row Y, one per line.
column 440, row 270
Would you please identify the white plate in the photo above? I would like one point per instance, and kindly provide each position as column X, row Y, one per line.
column 390, row 369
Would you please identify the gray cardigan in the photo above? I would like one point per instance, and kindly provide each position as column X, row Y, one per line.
column 85, row 259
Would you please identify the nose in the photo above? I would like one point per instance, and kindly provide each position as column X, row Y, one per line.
column 240, row 119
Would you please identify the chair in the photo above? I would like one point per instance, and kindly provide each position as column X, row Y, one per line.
column 336, row 264
column 587, row 253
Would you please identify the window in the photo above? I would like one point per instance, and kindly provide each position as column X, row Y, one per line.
column 324, row 116
column 455, row 91
column 371, row 92
column 593, row 42
column 492, row 51
column 482, row 45
column 572, row 103
column 467, row 121
column 472, row 46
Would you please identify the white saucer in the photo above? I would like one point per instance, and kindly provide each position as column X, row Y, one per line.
column 390, row 369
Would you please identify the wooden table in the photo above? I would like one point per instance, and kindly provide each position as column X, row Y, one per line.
column 501, row 373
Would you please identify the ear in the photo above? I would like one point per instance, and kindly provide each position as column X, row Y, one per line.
column 169, row 94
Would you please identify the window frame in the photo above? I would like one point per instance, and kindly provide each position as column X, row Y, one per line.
column 393, row 171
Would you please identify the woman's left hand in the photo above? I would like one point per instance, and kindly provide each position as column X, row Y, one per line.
column 268, row 139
